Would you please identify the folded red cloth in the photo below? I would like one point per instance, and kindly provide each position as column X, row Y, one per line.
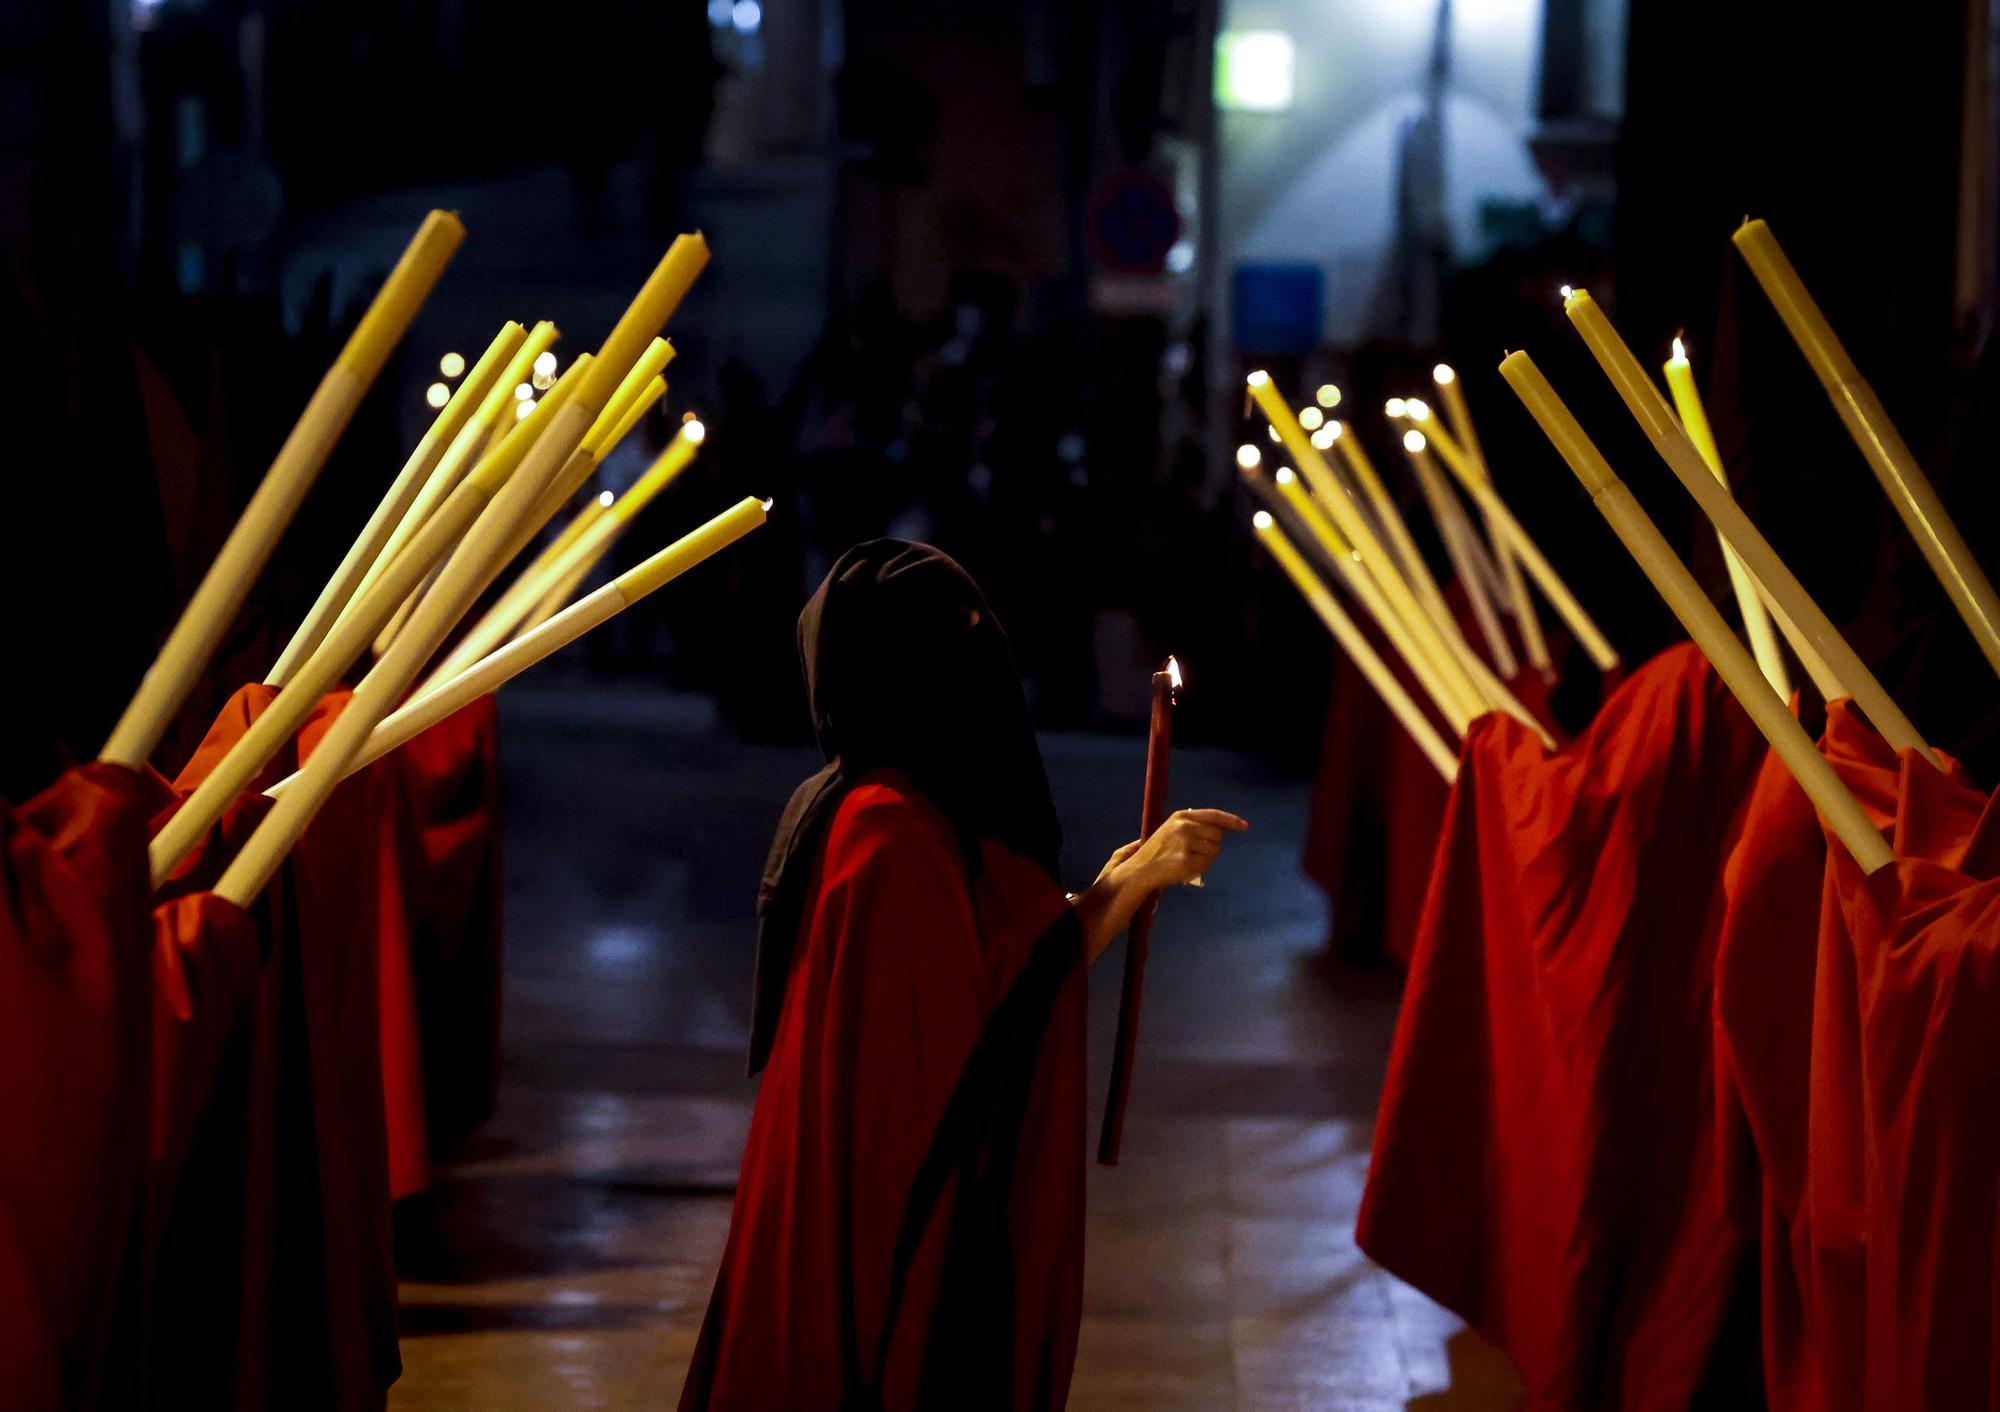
column 75, row 994
column 1544, row 1160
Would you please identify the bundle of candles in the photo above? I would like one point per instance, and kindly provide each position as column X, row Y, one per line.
column 1651, row 957
column 117, row 853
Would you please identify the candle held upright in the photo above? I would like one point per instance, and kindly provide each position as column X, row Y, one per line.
column 1152, row 813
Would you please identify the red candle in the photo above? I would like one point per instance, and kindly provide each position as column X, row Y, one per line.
column 1152, row 813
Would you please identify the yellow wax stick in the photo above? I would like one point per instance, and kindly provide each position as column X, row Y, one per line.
column 1355, row 643
column 1540, row 570
column 219, row 597
column 399, row 582
column 1642, row 398
column 1471, row 471
column 1457, row 708
column 1732, row 661
column 1881, row 445
column 1439, row 497
column 1408, row 556
column 495, row 413
column 465, row 574
column 1374, row 558
column 509, row 442
column 497, row 669
column 430, row 448
column 1756, row 621
column 523, row 594
column 1489, row 692
column 583, row 465
column 1452, row 391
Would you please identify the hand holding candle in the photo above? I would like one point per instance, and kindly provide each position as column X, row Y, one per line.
column 1167, row 851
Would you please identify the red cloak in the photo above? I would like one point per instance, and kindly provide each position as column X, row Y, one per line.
column 1908, row 1064
column 275, row 1278
column 918, row 1141
column 1544, row 1155
column 74, row 1001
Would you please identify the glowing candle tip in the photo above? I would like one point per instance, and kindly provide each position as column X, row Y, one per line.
column 1443, row 375
column 1395, row 406
column 1680, row 351
column 1413, row 440
column 1262, row 520
column 1174, row 672
column 1248, row 457
column 1259, row 378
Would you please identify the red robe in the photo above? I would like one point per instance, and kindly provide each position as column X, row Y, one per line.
column 75, row 992
column 1544, row 1156
column 447, row 786
column 274, row 1265
column 1905, row 1078
column 902, row 1000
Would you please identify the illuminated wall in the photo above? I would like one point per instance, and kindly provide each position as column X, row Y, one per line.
column 1317, row 182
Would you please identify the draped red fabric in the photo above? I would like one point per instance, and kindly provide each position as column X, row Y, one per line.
column 1544, row 1160
column 1904, row 1063
column 274, row 1271
column 1377, row 805
column 448, row 784
column 74, row 1002
column 900, row 975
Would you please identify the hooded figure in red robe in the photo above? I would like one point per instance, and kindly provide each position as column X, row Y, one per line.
column 908, row 1227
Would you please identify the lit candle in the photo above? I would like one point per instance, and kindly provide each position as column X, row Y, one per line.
column 496, row 670
column 1452, row 389
column 1457, row 707
column 1664, row 430
column 1543, row 572
column 561, row 575
column 1152, row 813
column 1417, row 449
column 1756, row 622
column 1867, row 421
column 1326, row 487
column 1355, row 643
column 1772, row 716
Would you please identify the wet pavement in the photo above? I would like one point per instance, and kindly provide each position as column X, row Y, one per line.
column 565, row 1259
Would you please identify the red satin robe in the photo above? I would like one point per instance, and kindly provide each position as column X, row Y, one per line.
column 900, row 971
column 1544, row 1156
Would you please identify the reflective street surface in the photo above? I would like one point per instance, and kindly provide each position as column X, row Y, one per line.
column 565, row 1259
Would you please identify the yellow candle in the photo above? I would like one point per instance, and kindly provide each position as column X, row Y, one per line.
column 1519, row 603
column 1374, row 558
column 1455, row 705
column 1867, row 421
column 1417, row 449
column 1664, row 430
column 1355, row 643
column 1756, row 622
column 1772, row 716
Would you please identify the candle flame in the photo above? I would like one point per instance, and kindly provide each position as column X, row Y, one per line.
column 769, row 501
column 1418, row 411
column 1311, row 417
column 1174, row 672
column 1262, row 520
column 1566, row 291
column 1413, row 440
column 1328, row 395
column 1258, row 378
column 1323, row 438
column 1680, row 351
column 604, row 498
column 1336, row 430
column 1284, row 475
column 1395, row 406
column 1248, row 457
column 1443, row 375
column 694, row 431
